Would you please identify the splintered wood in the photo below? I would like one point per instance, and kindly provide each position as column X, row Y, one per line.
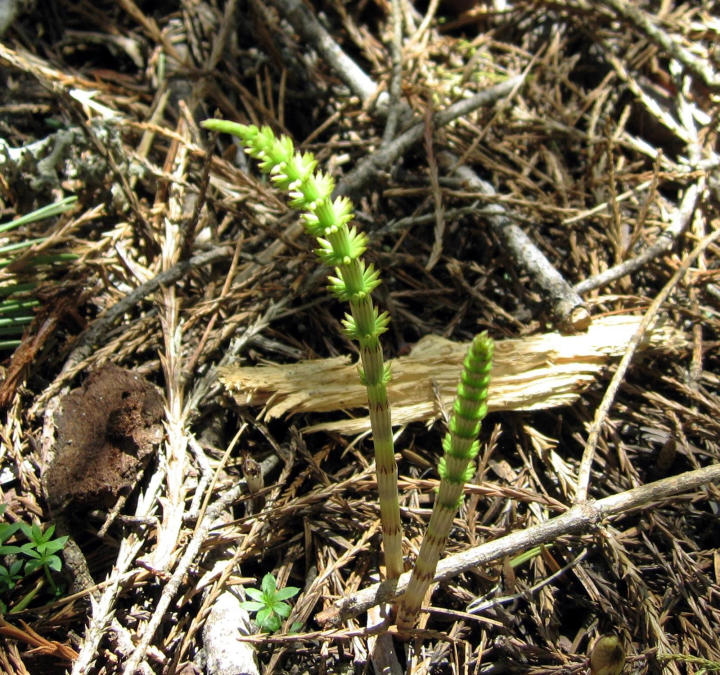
column 532, row 373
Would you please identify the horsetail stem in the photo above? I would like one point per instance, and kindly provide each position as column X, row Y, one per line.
column 340, row 247
column 461, row 447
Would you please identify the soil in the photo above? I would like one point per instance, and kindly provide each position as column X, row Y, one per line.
column 105, row 431
column 525, row 167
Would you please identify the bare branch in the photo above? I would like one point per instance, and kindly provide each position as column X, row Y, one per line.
column 580, row 518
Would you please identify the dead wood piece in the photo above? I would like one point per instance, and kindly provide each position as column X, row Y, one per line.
column 533, row 373
column 226, row 654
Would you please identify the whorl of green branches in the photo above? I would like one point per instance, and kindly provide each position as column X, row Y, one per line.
column 340, row 247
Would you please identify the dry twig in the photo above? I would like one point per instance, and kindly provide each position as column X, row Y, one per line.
column 579, row 518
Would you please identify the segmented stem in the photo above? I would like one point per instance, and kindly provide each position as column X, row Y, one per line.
column 340, row 247
column 461, row 447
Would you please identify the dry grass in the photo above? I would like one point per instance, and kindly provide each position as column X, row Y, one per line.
column 603, row 153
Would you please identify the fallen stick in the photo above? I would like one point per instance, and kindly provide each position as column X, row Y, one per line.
column 580, row 518
column 532, row 373
column 565, row 303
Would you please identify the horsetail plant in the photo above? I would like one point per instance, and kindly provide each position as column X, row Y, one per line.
column 461, row 446
column 340, row 247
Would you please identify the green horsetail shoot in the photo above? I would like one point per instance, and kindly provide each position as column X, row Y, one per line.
column 340, row 247
column 461, row 446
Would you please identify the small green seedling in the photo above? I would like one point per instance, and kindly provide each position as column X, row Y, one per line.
column 268, row 603
column 9, row 576
column 38, row 552
column 41, row 550
column 7, row 530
